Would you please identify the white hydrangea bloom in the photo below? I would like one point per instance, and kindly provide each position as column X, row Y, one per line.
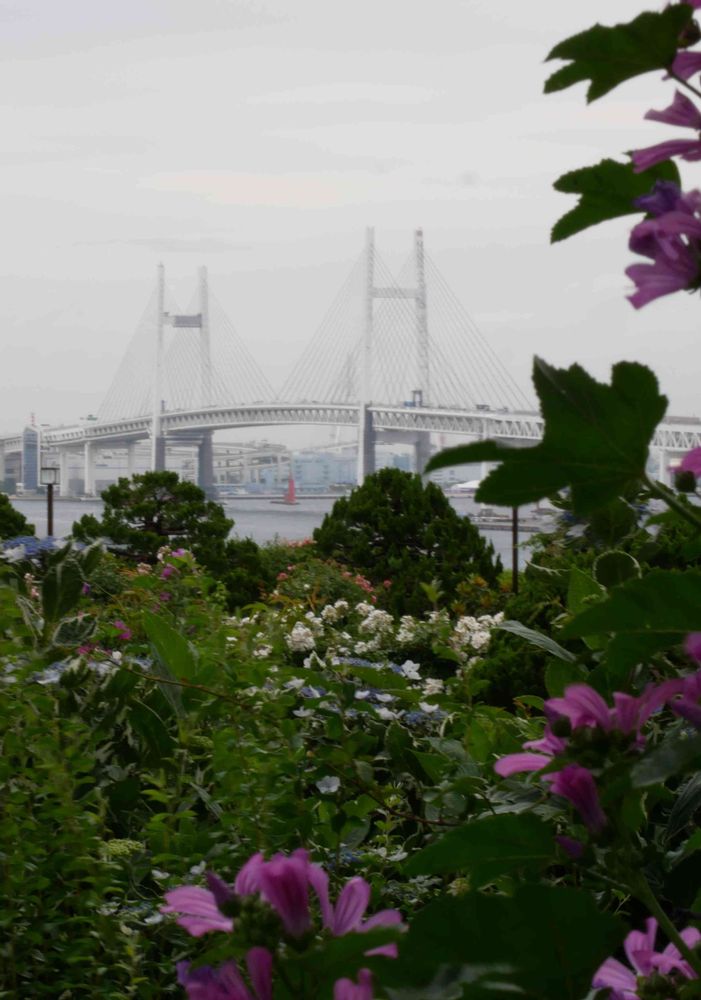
column 300, row 639
column 410, row 670
column 433, row 685
column 263, row 652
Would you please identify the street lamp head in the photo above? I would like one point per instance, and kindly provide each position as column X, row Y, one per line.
column 49, row 476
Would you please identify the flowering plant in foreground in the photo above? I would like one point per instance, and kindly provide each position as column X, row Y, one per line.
column 582, row 724
column 269, row 909
column 653, row 973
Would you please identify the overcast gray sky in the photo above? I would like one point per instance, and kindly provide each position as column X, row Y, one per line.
column 260, row 137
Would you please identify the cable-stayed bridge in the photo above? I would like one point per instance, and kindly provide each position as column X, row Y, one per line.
column 396, row 357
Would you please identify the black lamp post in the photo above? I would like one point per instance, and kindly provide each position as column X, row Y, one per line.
column 49, row 479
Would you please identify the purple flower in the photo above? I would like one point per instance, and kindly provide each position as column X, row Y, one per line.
column 124, row 632
column 692, row 646
column 664, row 277
column 681, row 111
column 664, row 197
column 346, row 989
column 576, row 784
column 691, row 462
column 687, row 149
column 671, row 240
column 226, row 982
column 167, row 571
column 686, row 64
column 198, row 910
column 85, row 589
column 639, row 946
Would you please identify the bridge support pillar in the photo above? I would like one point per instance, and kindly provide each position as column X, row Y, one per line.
column 663, row 473
column 63, row 472
column 159, row 454
column 205, row 463
column 131, row 458
column 89, row 469
column 422, row 451
column 366, row 444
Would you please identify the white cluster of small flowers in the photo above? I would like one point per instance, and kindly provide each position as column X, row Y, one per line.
column 315, row 623
column 406, row 633
column 300, row 639
column 472, row 635
column 262, row 652
column 377, row 622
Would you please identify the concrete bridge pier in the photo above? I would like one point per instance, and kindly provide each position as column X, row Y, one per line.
column 422, row 451
column 131, row 458
column 63, row 472
column 89, row 468
column 205, row 463
column 366, row 444
column 159, row 454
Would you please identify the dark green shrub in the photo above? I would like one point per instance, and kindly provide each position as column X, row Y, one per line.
column 12, row 523
column 400, row 533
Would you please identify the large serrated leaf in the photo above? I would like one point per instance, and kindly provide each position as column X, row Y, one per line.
column 595, row 440
column 487, row 848
column 606, row 191
column 607, row 56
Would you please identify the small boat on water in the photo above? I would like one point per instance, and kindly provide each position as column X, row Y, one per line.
column 290, row 498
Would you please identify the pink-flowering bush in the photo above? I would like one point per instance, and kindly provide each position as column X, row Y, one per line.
column 273, row 900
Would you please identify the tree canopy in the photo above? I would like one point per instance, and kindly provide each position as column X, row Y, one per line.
column 394, row 528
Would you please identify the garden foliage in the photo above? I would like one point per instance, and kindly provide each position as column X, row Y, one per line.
column 292, row 803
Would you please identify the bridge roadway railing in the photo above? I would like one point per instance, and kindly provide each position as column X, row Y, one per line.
column 674, row 435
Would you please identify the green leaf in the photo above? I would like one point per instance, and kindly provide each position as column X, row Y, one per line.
column 559, row 675
column 583, row 591
column 538, row 639
column 488, row 848
column 595, row 440
column 553, row 940
column 609, row 56
column 171, row 648
column 61, row 589
column 606, row 191
column 673, row 756
column 614, row 568
column 687, row 804
column 662, row 606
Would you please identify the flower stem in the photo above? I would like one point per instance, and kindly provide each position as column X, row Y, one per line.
column 685, row 83
column 640, row 887
column 664, row 493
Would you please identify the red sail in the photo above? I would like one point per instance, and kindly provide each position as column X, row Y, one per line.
column 290, row 495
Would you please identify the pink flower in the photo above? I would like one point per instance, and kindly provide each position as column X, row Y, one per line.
column 639, row 946
column 576, row 784
column 685, row 699
column 346, row 989
column 226, row 982
column 346, row 916
column 124, row 632
column 167, row 571
column 282, row 576
column 691, row 462
column 692, row 646
column 284, row 884
column 198, row 910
